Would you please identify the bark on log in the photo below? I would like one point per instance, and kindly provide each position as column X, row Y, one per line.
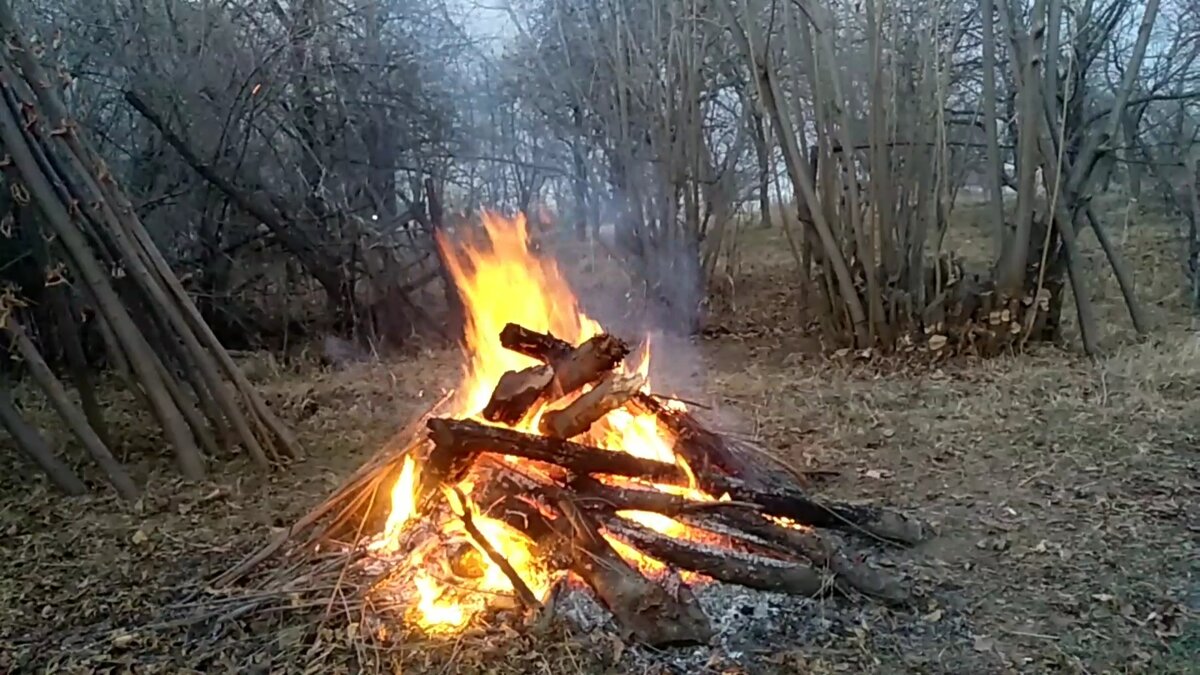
column 472, row 437
column 743, row 569
column 516, row 392
column 541, row 346
column 703, row 449
column 66, row 320
column 821, row 552
column 735, row 520
column 448, row 462
column 586, row 364
column 30, row 442
column 795, row 505
column 520, row 588
column 611, row 392
column 644, row 611
column 466, row 438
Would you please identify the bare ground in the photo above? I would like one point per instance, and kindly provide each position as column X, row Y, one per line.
column 1067, row 493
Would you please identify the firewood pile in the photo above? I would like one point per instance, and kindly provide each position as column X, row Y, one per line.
column 530, row 462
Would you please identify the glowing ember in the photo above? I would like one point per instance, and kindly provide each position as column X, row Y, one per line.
column 500, row 280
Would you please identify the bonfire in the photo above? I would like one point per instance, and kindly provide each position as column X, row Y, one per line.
column 554, row 467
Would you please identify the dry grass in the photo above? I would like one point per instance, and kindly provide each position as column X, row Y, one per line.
column 1068, row 493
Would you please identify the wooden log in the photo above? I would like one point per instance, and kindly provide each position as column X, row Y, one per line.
column 734, row 567
column 468, row 438
column 735, row 520
column 644, row 611
column 793, row 504
column 611, row 392
column 516, row 392
column 703, row 449
column 595, row 494
column 541, row 346
column 447, row 463
column 30, row 441
column 586, row 363
column 62, row 403
column 472, row 437
column 805, row 542
column 522, row 590
column 574, row 366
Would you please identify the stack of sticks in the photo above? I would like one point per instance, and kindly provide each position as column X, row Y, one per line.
column 761, row 533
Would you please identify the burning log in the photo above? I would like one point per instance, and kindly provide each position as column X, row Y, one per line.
column 587, row 363
column 644, row 610
column 516, row 392
column 446, row 465
column 702, row 448
column 463, row 439
column 611, row 392
column 541, row 346
column 466, row 438
column 751, row 571
column 793, row 504
column 735, row 520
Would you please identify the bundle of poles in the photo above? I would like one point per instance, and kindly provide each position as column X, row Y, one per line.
column 763, row 533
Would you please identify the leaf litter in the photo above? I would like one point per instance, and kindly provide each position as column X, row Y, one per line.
column 1067, row 494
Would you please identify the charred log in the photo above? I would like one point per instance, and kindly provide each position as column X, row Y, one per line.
column 466, row 438
column 736, row 520
column 744, row 569
column 574, row 366
column 463, row 439
column 522, row 590
column 703, row 449
column 795, row 505
column 571, row 369
column 448, row 462
column 541, row 346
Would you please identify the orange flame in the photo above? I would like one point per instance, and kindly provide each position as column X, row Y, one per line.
column 501, row 280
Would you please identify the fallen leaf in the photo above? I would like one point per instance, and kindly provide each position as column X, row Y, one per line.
column 140, row 537
column 934, row 616
column 123, row 640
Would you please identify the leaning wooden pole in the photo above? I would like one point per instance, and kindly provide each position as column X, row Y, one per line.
column 67, row 169
column 76, row 421
column 94, row 201
column 31, row 443
column 92, row 274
